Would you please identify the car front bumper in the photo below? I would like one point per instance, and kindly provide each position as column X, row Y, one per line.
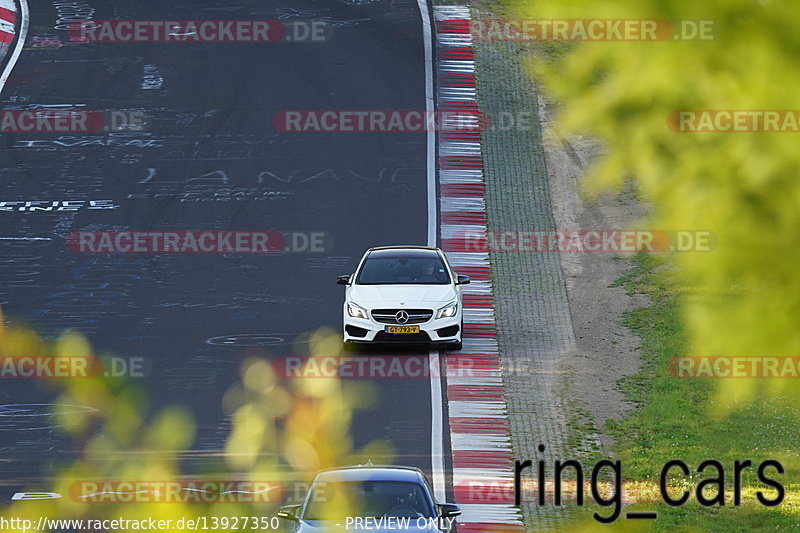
column 435, row 330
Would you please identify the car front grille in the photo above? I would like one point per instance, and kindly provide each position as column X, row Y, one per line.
column 382, row 336
column 389, row 316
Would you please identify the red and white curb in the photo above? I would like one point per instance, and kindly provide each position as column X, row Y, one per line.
column 8, row 21
column 483, row 480
column 14, row 21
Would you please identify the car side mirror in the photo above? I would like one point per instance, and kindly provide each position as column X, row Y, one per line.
column 449, row 509
column 462, row 280
column 343, row 280
column 289, row 512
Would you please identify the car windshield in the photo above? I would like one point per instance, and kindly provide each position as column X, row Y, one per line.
column 426, row 269
column 373, row 499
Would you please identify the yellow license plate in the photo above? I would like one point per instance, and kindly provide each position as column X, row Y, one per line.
column 402, row 330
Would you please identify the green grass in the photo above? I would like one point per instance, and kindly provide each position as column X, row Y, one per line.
column 672, row 421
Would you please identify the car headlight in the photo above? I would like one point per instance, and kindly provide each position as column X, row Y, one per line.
column 447, row 311
column 356, row 311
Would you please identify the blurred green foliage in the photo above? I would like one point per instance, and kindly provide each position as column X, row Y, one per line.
column 743, row 297
column 281, row 434
column 743, row 186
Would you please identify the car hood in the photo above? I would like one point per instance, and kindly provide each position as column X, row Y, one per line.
column 330, row 526
column 403, row 295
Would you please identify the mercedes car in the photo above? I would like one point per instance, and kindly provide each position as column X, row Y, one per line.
column 403, row 294
column 374, row 498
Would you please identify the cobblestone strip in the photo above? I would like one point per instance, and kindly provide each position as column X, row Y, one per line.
column 533, row 320
column 479, row 429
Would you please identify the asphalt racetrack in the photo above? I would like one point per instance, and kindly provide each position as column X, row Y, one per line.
column 209, row 158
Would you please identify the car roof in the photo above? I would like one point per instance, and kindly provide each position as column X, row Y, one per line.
column 371, row 473
column 403, row 251
column 404, row 247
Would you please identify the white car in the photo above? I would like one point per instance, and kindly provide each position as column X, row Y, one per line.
column 403, row 294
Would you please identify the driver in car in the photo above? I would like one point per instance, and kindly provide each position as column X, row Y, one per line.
column 405, row 505
column 427, row 275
